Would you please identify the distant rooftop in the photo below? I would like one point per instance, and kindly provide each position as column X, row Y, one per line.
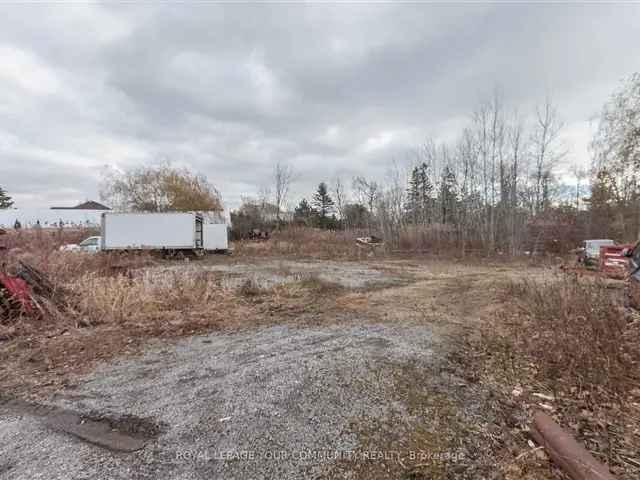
column 88, row 205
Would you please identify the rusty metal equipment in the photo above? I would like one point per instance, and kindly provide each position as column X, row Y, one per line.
column 566, row 452
column 613, row 263
column 29, row 292
column 14, row 297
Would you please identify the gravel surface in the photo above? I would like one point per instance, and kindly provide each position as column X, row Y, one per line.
column 270, row 273
column 279, row 402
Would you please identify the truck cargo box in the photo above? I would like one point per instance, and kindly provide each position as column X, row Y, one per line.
column 215, row 237
column 152, row 231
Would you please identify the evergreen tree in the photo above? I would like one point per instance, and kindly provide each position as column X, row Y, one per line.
column 448, row 195
column 323, row 204
column 426, row 192
column 304, row 213
column 413, row 204
column 603, row 206
column 5, row 200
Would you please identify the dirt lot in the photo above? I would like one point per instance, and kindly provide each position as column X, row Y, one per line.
column 307, row 369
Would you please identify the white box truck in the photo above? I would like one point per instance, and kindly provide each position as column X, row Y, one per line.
column 152, row 231
column 216, row 237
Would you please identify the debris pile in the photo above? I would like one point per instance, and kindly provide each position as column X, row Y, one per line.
column 612, row 263
column 14, row 297
column 257, row 234
column 372, row 240
column 28, row 292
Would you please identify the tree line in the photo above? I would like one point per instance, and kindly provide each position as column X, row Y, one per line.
column 615, row 184
column 494, row 188
column 479, row 192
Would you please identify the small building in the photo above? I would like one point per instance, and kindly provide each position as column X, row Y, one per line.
column 88, row 205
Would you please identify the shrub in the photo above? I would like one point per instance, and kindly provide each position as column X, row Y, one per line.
column 573, row 332
column 304, row 242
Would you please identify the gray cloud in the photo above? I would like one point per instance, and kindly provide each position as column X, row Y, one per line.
column 228, row 90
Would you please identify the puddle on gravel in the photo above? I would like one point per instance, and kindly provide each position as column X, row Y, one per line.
column 117, row 432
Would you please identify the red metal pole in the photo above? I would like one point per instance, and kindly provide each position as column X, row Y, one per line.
column 566, row 452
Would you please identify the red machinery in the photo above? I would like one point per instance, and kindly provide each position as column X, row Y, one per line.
column 14, row 294
column 613, row 263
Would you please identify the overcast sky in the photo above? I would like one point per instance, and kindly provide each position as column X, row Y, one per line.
column 228, row 90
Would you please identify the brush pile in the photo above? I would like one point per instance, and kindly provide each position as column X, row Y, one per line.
column 29, row 293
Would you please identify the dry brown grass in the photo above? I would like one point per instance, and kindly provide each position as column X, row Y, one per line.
column 125, row 299
column 576, row 332
column 64, row 271
column 40, row 248
column 45, row 239
column 108, row 288
column 113, row 311
column 565, row 346
column 410, row 242
column 305, row 242
column 434, row 238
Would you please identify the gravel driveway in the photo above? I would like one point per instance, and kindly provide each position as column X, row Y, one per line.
column 359, row 390
column 287, row 402
column 266, row 274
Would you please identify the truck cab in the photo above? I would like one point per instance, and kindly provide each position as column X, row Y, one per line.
column 589, row 251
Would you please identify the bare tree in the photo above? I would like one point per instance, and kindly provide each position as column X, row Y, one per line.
column 340, row 196
column 283, row 177
column 616, row 148
column 389, row 203
column 515, row 146
column 580, row 174
column 489, row 132
column 368, row 192
column 467, row 152
column 546, row 151
column 264, row 194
